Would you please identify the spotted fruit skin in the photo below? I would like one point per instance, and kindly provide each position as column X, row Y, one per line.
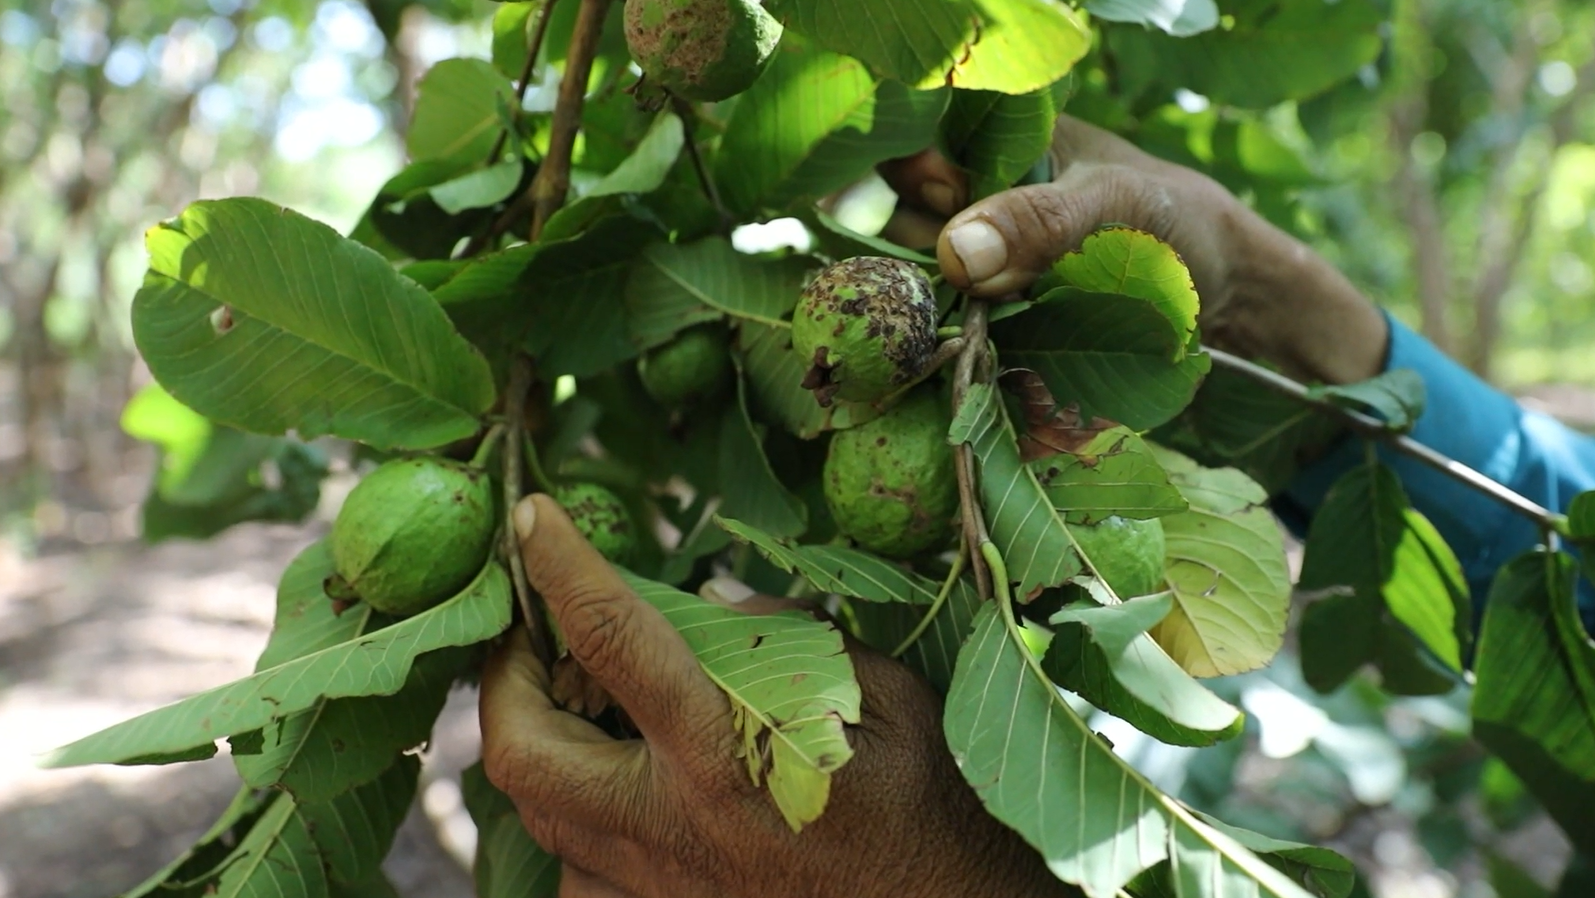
column 414, row 532
column 867, row 327
column 693, row 367
column 602, row 518
column 890, row 483
column 1126, row 553
column 701, row 50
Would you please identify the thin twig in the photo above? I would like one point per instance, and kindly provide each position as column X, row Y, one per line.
column 1374, row 429
column 520, row 386
column 936, row 606
column 689, row 127
column 533, row 49
column 974, row 523
column 553, row 175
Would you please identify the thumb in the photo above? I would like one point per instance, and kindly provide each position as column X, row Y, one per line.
column 1003, row 243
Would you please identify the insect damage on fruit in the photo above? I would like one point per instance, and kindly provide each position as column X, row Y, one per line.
column 867, row 327
column 601, row 517
column 695, row 366
column 701, row 50
column 411, row 534
column 890, row 483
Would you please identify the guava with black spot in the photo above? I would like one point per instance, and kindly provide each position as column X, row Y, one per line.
column 412, row 533
column 890, row 483
column 866, row 327
column 1126, row 553
column 701, row 50
column 602, row 518
column 693, row 367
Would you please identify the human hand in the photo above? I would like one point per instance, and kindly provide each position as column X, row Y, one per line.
column 1264, row 294
column 674, row 814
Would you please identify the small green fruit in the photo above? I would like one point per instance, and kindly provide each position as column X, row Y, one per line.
column 1126, row 553
column 890, row 483
column 413, row 533
column 601, row 517
column 695, row 366
column 867, row 326
column 702, row 50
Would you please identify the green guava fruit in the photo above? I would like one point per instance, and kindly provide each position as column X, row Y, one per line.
column 701, row 50
column 412, row 533
column 693, row 367
column 890, row 483
column 867, row 327
column 1127, row 554
column 601, row 517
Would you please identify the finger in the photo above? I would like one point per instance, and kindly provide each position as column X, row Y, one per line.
column 577, row 883
column 928, row 181
column 622, row 641
column 1075, row 141
column 547, row 761
column 1003, row 243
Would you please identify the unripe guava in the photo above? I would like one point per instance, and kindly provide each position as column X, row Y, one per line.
column 694, row 366
column 890, row 483
column 703, row 50
column 867, row 326
column 1127, row 554
column 413, row 533
column 601, row 517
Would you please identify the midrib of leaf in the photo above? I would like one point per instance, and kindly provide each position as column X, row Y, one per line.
column 1245, row 861
column 703, row 297
column 273, row 822
column 830, row 127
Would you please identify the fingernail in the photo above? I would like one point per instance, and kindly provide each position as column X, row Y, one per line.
column 981, row 249
column 725, row 591
column 525, row 518
column 940, row 198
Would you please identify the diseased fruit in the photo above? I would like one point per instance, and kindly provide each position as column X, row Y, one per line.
column 1126, row 553
column 693, row 367
column 867, row 327
column 702, row 50
column 601, row 517
column 412, row 533
column 890, row 483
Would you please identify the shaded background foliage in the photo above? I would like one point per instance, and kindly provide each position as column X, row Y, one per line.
column 1452, row 178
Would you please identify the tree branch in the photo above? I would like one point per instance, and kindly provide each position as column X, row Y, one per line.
column 515, row 395
column 971, row 515
column 548, row 189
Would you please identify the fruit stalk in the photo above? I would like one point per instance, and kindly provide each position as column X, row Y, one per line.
column 689, row 127
column 553, row 175
column 519, row 387
column 970, row 512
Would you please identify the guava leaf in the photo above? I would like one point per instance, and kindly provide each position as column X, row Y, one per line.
column 1103, row 654
column 791, row 687
column 998, row 138
column 1115, row 356
column 1040, row 769
column 1013, row 46
column 512, row 28
column 478, row 189
column 355, row 831
column 836, row 569
column 1228, row 572
column 1179, row 18
column 1397, row 397
column 814, row 122
column 209, row 851
column 1034, row 542
column 1114, row 474
column 508, row 863
column 648, row 165
column 576, row 309
column 265, row 320
column 1134, row 263
column 457, row 111
column 749, row 487
column 1534, row 697
column 376, row 663
column 775, row 374
column 838, row 241
column 1367, row 538
column 675, row 285
column 935, row 653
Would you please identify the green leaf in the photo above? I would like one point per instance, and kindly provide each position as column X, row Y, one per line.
column 1013, row 46
column 1114, row 474
column 1116, row 357
column 1534, row 696
column 177, row 879
column 376, row 663
column 478, row 189
column 791, row 687
column 998, row 137
column 182, row 434
column 1395, row 396
column 404, row 220
column 1027, row 530
column 265, row 320
column 815, row 122
column 647, row 167
column 775, row 374
column 935, row 653
column 676, row 285
column 1277, row 50
column 1228, row 572
column 1103, row 654
column 577, row 305
column 1040, row 769
column 749, row 487
column 836, row 569
column 838, row 241
column 1134, row 263
column 508, row 863
column 512, row 30
column 1180, row 18
column 355, row 830
column 457, row 111
column 1320, row 871
column 1366, row 537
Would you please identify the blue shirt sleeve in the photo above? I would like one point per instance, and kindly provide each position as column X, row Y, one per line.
column 1473, row 423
